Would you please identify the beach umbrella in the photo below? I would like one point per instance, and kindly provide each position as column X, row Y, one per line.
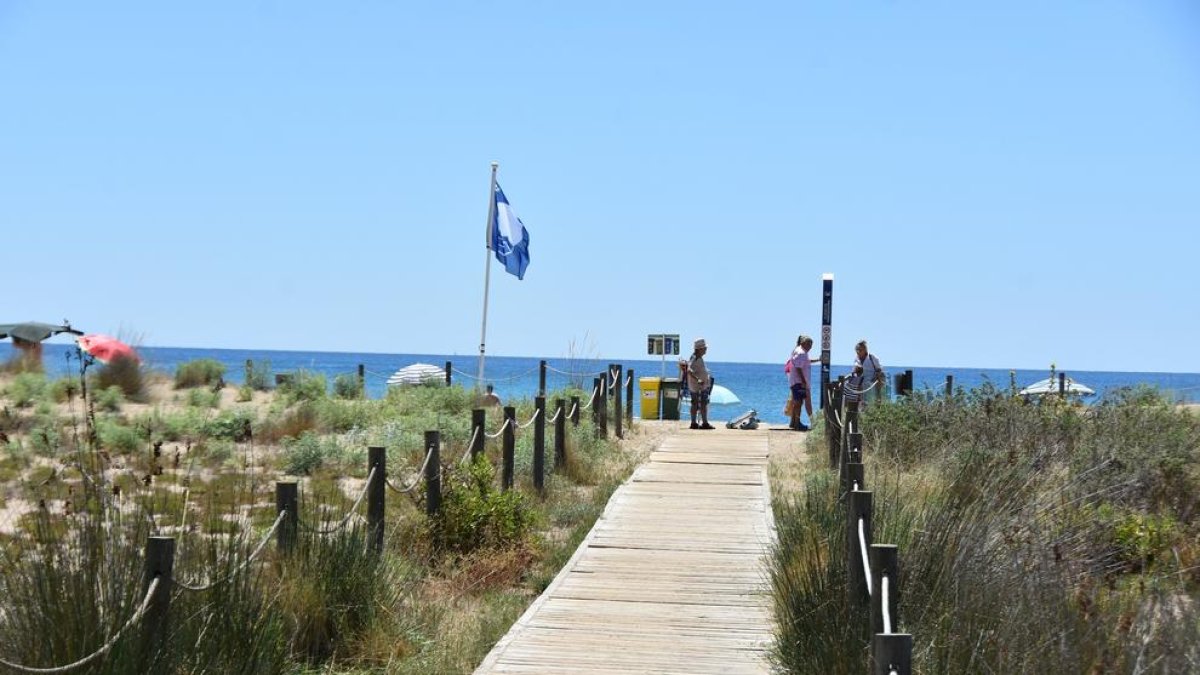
column 105, row 349
column 417, row 373
column 33, row 331
column 1050, row 386
column 722, row 396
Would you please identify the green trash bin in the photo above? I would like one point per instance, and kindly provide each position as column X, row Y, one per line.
column 670, row 398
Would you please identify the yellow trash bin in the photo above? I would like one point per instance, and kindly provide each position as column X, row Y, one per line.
column 650, row 392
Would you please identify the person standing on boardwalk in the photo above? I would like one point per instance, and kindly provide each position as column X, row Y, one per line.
column 700, row 383
column 867, row 375
column 799, row 374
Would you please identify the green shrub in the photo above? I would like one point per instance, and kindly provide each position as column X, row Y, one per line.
column 110, row 399
column 309, row 452
column 203, row 398
column 476, row 514
column 233, row 426
column 64, row 389
column 302, row 386
column 119, row 438
column 125, row 373
column 258, row 376
column 347, row 386
column 26, row 389
column 245, row 394
column 199, row 373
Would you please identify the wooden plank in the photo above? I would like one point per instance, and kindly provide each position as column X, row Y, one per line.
column 672, row 578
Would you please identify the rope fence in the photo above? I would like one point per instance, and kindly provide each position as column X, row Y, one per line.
column 416, row 479
column 204, row 586
column 346, row 520
column 104, row 649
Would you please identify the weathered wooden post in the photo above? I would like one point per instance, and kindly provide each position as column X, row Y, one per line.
column 826, row 334
column 249, row 372
column 539, row 444
column 949, row 387
column 362, row 380
column 602, row 406
column 833, row 427
column 542, row 377
column 159, row 564
column 575, row 411
column 849, row 426
column 617, row 415
column 449, row 371
column 1062, row 384
column 377, row 463
column 852, row 455
column 596, row 405
column 855, row 477
column 478, row 420
column 560, row 433
column 433, row 473
column 510, row 445
column 908, row 383
column 629, row 396
column 859, row 510
column 892, row 653
column 285, row 501
column 884, row 564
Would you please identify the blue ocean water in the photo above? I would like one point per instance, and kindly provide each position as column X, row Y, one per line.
column 761, row 387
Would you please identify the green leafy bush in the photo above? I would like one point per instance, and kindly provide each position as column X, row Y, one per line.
column 125, row 373
column 476, row 514
column 258, row 375
column 118, row 437
column 347, row 386
column 26, row 389
column 301, row 386
column 304, row 455
column 110, row 399
column 64, row 389
column 203, row 398
column 199, row 373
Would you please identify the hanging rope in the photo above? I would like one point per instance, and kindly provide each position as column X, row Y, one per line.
column 852, row 390
column 259, row 549
column 470, row 444
column 570, row 374
column 349, row 513
column 574, row 408
column 883, row 592
column 497, row 379
column 103, row 649
column 531, row 419
column 595, row 393
column 557, row 412
column 507, row 421
column 862, row 547
column 416, row 480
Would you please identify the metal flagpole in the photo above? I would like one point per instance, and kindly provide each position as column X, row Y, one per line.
column 487, row 270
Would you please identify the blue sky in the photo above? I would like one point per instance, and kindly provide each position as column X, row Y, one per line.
column 1003, row 185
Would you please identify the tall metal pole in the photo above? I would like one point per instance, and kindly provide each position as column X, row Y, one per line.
column 487, row 270
column 826, row 332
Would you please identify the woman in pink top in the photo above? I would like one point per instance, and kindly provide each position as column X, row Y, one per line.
column 799, row 379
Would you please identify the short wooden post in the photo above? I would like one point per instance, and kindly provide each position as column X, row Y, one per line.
column 285, row 501
column 449, row 371
column 892, row 653
column 575, row 411
column 478, row 420
column 856, row 477
column 433, row 473
column 249, row 372
column 884, row 563
column 853, row 455
column 510, row 445
column 542, row 377
column 833, row 429
column 602, row 406
column 949, row 387
column 908, row 383
column 362, row 380
column 539, row 444
column 377, row 463
column 616, row 368
column 629, row 396
column 159, row 564
column 596, row 387
column 850, row 426
column 560, row 433
column 859, row 509
column 1062, row 384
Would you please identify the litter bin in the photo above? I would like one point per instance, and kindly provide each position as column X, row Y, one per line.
column 670, row 398
column 650, row 394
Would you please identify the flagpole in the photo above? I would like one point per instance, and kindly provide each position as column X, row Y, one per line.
column 487, row 270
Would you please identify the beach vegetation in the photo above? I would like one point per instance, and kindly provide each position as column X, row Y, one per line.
column 258, row 375
column 347, row 386
column 26, row 389
column 109, row 399
column 199, row 373
column 302, row 386
column 122, row 372
column 1033, row 537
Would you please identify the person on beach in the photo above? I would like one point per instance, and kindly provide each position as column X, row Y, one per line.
column 490, row 398
column 700, row 383
column 867, row 375
column 799, row 372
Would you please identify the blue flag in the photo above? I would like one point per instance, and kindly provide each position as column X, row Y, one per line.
column 510, row 239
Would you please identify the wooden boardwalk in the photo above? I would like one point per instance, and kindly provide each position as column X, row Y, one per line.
column 671, row 579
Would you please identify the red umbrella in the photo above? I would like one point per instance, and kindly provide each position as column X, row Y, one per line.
column 104, row 348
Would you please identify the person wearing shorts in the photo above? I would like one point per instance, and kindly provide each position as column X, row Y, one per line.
column 799, row 379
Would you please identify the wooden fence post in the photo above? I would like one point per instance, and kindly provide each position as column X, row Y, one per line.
column 596, row 407
column 159, row 564
column 949, row 387
column 377, row 462
column 629, row 396
column 249, row 372
column 892, row 653
column 560, row 433
column 575, row 411
column 286, row 500
column 602, row 406
column 433, row 473
column 449, row 371
column 853, row 455
column 859, row 509
column 855, row 475
column 510, row 445
column 849, row 427
column 884, row 563
column 542, row 377
column 1062, row 384
column 834, row 428
column 362, row 380
column 478, row 420
column 539, row 444
column 616, row 368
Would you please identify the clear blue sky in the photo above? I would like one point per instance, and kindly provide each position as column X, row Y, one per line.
column 997, row 185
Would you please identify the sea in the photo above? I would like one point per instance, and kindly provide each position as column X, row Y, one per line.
column 760, row 387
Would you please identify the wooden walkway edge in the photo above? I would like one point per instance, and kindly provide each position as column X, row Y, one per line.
column 672, row 577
